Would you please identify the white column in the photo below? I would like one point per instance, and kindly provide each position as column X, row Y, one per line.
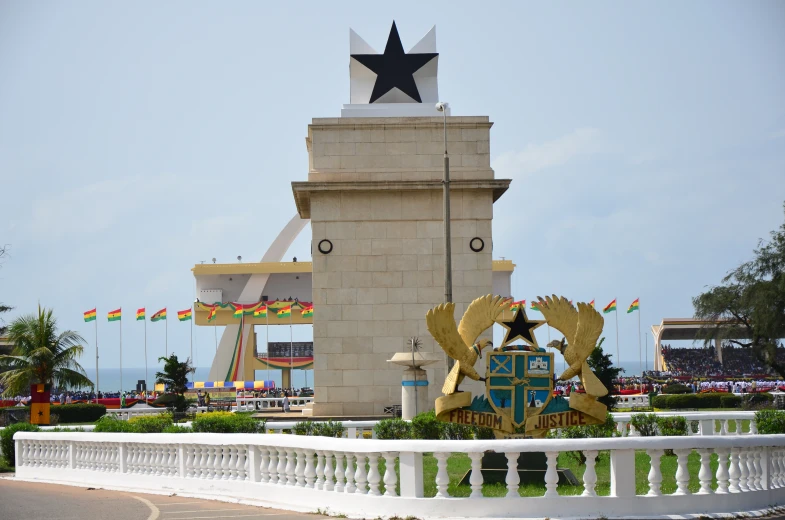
column 411, row 474
column 622, row 473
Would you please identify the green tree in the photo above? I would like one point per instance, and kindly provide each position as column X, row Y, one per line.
column 42, row 355
column 175, row 378
column 748, row 307
column 602, row 366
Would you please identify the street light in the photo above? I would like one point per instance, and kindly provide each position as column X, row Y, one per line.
column 442, row 107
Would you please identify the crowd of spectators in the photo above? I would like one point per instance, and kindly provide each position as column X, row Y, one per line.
column 704, row 362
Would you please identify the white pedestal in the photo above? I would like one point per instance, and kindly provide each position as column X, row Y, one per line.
column 414, row 393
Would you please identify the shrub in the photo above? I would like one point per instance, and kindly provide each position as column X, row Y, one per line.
column 151, row 423
column 176, row 401
column 645, row 423
column 393, row 429
column 226, row 422
column 730, row 401
column 757, row 401
column 426, row 426
column 483, row 433
column 7, row 440
column 770, row 421
column 672, row 426
column 676, row 388
column 176, row 428
column 328, row 429
column 80, row 412
column 679, row 401
column 457, row 432
column 303, row 428
column 110, row 424
column 604, row 430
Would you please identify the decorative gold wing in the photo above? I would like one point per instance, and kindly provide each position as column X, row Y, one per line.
column 561, row 315
column 441, row 325
column 480, row 315
column 590, row 323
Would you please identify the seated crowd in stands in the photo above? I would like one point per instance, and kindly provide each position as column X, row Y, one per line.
column 704, row 362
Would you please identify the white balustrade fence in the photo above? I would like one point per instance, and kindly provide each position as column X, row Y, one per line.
column 127, row 413
column 698, row 423
column 361, row 477
column 250, row 404
column 632, row 401
column 351, row 429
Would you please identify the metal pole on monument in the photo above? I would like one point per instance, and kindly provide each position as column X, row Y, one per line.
column 192, row 340
column 121, row 357
column 267, row 339
column 442, row 107
column 166, row 338
column 640, row 347
column 291, row 350
column 145, row 359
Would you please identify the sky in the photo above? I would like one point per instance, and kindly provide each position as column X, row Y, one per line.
column 645, row 142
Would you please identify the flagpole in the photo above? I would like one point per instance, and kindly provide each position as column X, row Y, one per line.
column 291, row 350
column 616, row 311
column 145, row 357
column 215, row 333
column 640, row 346
column 267, row 338
column 166, row 334
column 192, row 340
column 96, row 357
column 121, row 356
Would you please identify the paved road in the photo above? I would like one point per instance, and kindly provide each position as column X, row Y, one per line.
column 29, row 501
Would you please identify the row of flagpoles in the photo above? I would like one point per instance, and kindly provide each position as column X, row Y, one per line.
column 611, row 307
column 257, row 310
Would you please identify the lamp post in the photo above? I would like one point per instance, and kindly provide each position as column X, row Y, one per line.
column 442, row 107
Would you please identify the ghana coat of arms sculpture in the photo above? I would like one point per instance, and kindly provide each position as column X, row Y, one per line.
column 519, row 378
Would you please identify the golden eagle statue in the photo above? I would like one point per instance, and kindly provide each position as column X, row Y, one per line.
column 459, row 342
column 581, row 329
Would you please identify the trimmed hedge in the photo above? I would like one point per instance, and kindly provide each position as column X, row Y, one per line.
column 676, row 388
column 323, row 429
column 677, row 401
column 226, row 422
column 111, row 424
column 730, row 401
column 80, row 412
column 393, row 429
column 151, row 424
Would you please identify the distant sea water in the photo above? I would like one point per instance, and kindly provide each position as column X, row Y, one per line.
column 110, row 377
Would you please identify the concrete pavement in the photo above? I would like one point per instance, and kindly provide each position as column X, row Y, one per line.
column 33, row 501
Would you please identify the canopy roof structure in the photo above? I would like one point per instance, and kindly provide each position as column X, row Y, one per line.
column 674, row 329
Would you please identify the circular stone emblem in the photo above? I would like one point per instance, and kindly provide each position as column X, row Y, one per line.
column 476, row 244
column 325, row 247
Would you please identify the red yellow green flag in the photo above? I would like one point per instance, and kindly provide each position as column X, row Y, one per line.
column 211, row 315
column 514, row 306
column 285, row 312
column 611, row 307
column 535, row 306
column 592, row 304
column 634, row 306
column 261, row 312
column 140, row 314
column 160, row 315
column 307, row 312
column 89, row 315
column 184, row 315
column 115, row 315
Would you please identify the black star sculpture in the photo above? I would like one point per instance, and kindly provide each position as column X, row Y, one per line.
column 521, row 327
column 395, row 68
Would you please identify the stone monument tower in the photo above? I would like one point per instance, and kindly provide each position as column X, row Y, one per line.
column 374, row 197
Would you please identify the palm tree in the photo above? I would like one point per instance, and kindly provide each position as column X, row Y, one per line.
column 175, row 379
column 41, row 355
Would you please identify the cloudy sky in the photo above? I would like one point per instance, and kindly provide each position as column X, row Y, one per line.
column 646, row 143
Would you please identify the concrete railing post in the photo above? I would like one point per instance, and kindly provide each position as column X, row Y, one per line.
column 622, row 473
column 72, row 455
column 122, row 454
column 253, row 463
column 411, row 474
column 707, row 426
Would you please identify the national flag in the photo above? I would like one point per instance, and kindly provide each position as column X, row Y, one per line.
column 140, row 315
column 285, row 312
column 307, row 312
column 160, row 315
column 261, row 312
column 514, row 306
column 634, row 306
column 611, row 307
column 115, row 315
column 184, row 315
column 248, row 309
column 592, row 304
column 89, row 315
column 211, row 315
column 535, row 306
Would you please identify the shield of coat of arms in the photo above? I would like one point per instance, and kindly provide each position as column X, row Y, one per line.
column 519, row 384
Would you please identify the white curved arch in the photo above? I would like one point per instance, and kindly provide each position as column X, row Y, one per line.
column 251, row 293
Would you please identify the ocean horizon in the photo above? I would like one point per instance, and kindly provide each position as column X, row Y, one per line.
column 110, row 376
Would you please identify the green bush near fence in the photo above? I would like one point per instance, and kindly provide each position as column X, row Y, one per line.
column 393, row 429
column 679, row 401
column 80, row 412
column 730, row 401
column 111, row 424
column 645, row 424
column 770, row 421
column 676, row 388
column 176, row 428
column 7, row 440
column 226, row 422
column 322, row 428
column 151, row 423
